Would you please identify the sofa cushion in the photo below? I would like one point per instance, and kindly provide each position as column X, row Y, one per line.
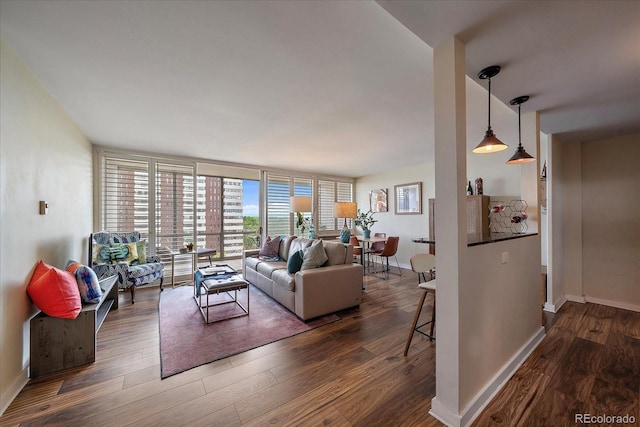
column 285, row 244
column 270, row 247
column 252, row 262
column 55, row 292
column 294, row 263
column 267, row 268
column 283, row 279
column 299, row 244
column 336, row 252
column 314, row 256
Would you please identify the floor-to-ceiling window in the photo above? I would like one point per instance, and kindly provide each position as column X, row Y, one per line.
column 323, row 191
column 173, row 202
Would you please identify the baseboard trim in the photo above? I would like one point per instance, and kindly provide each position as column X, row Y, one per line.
column 443, row 414
column 484, row 397
column 13, row 391
column 576, row 298
column 553, row 308
column 617, row 304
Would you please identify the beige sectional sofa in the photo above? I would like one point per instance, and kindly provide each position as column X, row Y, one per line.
column 309, row 293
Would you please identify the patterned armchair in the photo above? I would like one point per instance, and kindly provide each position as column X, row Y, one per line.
column 124, row 254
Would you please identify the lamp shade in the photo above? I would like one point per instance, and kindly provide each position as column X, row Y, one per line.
column 520, row 156
column 345, row 210
column 490, row 144
column 300, row 204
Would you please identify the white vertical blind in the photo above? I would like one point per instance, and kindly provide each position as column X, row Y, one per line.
column 175, row 203
column 326, row 198
column 278, row 216
column 124, row 195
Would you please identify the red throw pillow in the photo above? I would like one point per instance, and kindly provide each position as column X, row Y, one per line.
column 55, row 291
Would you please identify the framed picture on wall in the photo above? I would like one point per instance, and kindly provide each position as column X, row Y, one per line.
column 408, row 198
column 378, row 200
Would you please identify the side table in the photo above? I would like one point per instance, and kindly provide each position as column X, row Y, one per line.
column 221, row 279
column 200, row 252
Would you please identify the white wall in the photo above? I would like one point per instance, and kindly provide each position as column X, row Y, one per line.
column 572, row 219
column 611, row 221
column 43, row 156
column 406, row 227
column 501, row 181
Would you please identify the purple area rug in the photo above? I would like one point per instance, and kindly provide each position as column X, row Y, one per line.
column 186, row 341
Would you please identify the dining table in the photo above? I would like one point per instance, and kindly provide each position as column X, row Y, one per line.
column 366, row 247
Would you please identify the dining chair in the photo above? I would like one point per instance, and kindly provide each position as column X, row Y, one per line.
column 423, row 264
column 357, row 249
column 376, row 247
column 390, row 250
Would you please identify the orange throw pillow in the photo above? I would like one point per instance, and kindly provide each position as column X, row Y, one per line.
column 55, row 291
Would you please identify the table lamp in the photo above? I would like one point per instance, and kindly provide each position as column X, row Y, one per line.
column 345, row 210
column 298, row 205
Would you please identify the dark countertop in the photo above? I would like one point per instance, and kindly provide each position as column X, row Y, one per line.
column 477, row 239
column 474, row 240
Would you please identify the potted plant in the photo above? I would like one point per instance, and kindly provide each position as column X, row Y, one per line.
column 365, row 220
column 303, row 224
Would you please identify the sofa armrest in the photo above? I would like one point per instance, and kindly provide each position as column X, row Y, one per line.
column 251, row 253
column 324, row 290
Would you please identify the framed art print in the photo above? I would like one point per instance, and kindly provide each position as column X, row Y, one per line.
column 408, row 198
column 378, row 200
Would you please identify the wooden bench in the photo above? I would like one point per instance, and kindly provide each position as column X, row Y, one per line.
column 58, row 344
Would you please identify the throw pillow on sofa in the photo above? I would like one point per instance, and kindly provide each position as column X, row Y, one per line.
column 87, row 279
column 294, row 263
column 314, row 256
column 54, row 291
column 270, row 247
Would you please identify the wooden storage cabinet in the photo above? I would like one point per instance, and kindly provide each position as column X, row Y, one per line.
column 478, row 216
column 477, row 219
column 58, row 344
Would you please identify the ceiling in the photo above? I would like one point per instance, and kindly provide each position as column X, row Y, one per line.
column 338, row 88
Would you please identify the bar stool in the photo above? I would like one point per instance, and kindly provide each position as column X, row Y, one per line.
column 423, row 264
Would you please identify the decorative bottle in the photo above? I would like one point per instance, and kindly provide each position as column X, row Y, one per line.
column 479, row 189
column 469, row 189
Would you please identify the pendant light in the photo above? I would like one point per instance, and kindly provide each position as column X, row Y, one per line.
column 490, row 143
column 521, row 156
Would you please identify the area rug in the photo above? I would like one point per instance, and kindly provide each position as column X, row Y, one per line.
column 186, row 341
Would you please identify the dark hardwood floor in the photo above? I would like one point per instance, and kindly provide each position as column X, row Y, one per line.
column 349, row 373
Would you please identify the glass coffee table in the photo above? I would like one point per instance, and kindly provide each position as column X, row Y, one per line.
column 221, row 283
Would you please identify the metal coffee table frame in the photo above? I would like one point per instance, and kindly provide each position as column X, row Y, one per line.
column 216, row 286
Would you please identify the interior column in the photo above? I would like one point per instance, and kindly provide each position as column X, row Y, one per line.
column 450, row 211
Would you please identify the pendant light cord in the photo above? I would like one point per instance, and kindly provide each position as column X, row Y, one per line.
column 489, row 115
column 519, row 133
